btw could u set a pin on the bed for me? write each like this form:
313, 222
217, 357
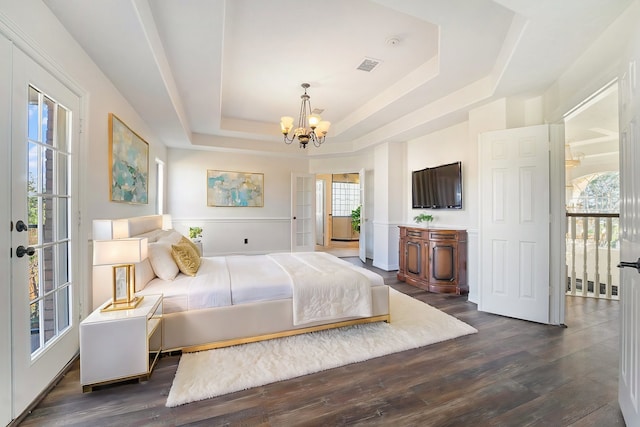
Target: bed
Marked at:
237, 299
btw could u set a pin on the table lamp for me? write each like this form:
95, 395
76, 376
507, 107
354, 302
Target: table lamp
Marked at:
121, 254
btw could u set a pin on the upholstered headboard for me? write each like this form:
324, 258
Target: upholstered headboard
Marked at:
107, 229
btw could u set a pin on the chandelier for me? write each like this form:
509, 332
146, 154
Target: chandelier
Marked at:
311, 128
571, 159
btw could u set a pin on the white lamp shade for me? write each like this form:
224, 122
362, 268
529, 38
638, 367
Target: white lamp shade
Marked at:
167, 224
286, 123
119, 251
314, 119
323, 127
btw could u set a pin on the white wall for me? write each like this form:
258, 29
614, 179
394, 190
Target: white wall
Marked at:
390, 169
446, 146
267, 229
342, 164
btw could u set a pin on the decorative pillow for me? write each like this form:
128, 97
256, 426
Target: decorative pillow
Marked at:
162, 261
186, 257
144, 274
195, 247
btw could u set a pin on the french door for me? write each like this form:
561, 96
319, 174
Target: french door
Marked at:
303, 211
44, 301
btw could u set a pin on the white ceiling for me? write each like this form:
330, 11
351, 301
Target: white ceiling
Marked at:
216, 73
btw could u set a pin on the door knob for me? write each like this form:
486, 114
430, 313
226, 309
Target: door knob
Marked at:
22, 251
635, 265
21, 226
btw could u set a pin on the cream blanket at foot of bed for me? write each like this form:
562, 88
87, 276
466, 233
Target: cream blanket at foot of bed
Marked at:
324, 289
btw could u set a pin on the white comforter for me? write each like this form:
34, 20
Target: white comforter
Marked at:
322, 286
324, 289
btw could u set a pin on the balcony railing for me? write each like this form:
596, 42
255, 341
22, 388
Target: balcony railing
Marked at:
593, 252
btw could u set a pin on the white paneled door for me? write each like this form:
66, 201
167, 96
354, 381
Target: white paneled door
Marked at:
629, 374
303, 212
514, 223
44, 300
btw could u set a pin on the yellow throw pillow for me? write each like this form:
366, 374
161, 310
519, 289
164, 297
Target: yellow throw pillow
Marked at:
190, 243
186, 257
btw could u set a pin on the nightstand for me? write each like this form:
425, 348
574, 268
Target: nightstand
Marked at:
120, 345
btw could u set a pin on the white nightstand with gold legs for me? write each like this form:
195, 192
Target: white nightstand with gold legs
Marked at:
120, 345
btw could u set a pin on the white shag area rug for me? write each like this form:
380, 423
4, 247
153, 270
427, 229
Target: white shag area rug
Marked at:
211, 373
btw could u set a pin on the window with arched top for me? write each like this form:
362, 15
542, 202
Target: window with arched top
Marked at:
596, 193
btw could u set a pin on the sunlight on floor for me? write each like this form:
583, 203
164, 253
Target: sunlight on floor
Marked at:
341, 249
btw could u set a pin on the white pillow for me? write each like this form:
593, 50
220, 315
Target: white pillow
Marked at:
162, 260
172, 237
144, 274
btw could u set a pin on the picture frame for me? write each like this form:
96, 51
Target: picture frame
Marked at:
128, 164
235, 189
121, 279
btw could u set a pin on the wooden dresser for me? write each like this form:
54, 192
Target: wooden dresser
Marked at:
434, 259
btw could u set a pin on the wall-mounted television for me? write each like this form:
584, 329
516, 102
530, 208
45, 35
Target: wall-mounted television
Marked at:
439, 187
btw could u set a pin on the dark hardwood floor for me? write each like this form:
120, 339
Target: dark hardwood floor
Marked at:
512, 373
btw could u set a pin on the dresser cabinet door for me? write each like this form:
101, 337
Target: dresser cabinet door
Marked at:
443, 262
413, 258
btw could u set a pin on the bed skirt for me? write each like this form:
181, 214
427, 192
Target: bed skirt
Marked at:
225, 326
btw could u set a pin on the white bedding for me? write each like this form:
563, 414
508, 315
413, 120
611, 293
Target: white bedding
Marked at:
211, 287
239, 279
324, 289
257, 278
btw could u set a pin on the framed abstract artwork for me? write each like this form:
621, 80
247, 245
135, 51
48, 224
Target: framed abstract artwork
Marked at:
226, 188
128, 164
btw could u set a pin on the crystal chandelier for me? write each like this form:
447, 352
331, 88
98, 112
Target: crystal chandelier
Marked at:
310, 128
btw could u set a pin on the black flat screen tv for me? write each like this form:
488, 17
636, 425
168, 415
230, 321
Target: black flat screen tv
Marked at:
439, 187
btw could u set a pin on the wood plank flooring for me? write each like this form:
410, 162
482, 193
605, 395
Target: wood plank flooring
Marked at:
512, 373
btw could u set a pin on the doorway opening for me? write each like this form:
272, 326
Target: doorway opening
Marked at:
337, 205
592, 194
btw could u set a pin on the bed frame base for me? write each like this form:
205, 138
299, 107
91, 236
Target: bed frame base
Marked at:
237, 341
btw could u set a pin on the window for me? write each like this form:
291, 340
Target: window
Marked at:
48, 202
345, 194
596, 193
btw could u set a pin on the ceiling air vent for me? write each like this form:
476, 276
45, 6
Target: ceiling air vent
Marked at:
368, 64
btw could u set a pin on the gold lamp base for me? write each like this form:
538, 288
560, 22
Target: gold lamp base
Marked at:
124, 305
